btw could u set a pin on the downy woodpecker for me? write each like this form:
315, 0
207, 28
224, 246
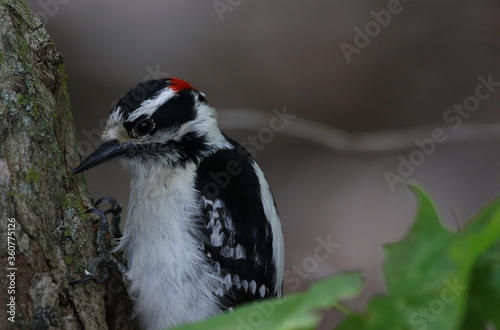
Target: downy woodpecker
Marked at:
202, 233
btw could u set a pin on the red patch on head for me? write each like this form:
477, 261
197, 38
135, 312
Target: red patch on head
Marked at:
178, 85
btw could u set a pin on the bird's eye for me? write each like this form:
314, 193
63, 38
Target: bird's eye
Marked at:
144, 127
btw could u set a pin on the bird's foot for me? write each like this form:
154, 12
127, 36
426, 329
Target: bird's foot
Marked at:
115, 210
104, 260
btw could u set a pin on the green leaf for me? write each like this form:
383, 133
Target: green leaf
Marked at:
431, 273
484, 298
295, 311
436, 279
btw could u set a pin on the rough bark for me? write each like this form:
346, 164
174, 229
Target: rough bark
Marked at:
54, 240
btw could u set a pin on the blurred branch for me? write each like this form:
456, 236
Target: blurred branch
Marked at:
337, 139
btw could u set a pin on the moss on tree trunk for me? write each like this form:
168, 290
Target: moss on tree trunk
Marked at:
54, 239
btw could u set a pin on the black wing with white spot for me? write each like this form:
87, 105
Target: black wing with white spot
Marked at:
238, 237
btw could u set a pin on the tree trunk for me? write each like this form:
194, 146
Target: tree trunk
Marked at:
46, 239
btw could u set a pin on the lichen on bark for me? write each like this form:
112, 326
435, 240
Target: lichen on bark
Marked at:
54, 239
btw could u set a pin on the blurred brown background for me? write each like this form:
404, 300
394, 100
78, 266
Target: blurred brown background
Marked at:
408, 69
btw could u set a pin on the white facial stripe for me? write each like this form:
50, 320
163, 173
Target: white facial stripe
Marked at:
204, 124
114, 127
115, 117
183, 130
148, 107
163, 136
115, 132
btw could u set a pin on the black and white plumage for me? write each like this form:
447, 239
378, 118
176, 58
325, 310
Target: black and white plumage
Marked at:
202, 233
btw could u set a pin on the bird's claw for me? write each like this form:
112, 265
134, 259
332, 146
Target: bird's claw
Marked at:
115, 210
104, 260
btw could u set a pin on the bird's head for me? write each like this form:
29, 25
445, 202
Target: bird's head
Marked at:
165, 120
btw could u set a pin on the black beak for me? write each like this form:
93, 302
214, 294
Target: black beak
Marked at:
105, 152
